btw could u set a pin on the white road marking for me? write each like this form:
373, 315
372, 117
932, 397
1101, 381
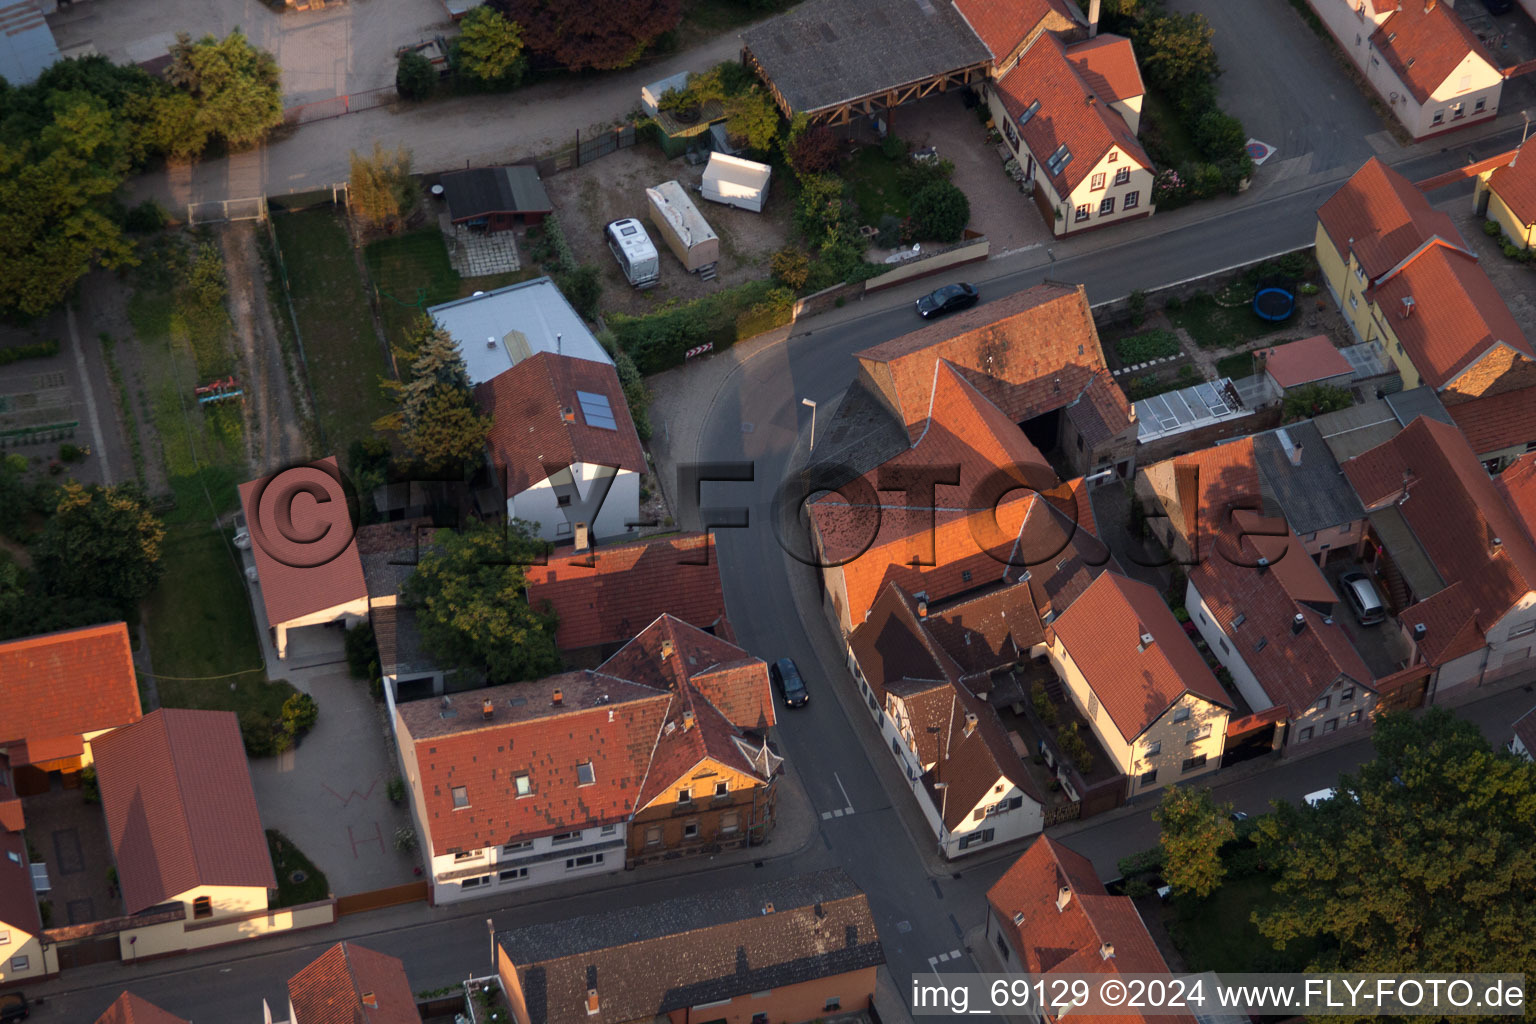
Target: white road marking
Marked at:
954, 954
837, 813
847, 803
826, 815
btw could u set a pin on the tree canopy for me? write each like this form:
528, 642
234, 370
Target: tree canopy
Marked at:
380, 188
490, 47
598, 34
438, 421
468, 593
100, 543
236, 88
1424, 862
1193, 832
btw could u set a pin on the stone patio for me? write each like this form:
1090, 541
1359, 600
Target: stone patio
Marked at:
69, 836
477, 253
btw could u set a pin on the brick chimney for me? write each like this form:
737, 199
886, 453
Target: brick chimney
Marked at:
592, 1002
1063, 897
557, 698
1298, 623
583, 537
922, 609
970, 724
488, 710
1295, 454
370, 1000
687, 720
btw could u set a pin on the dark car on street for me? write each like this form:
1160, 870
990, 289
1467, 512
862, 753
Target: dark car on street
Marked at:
13, 1006
948, 299
1498, 6
786, 679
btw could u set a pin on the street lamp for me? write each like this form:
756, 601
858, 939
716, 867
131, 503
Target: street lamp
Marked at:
943, 806
807, 401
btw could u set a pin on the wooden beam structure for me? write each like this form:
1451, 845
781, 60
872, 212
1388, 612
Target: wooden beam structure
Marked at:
844, 112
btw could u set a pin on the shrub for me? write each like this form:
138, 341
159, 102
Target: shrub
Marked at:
147, 217
405, 839
90, 788
582, 288
71, 453
396, 789
1143, 863
258, 734
299, 714
41, 350
1220, 136
558, 255
1492, 229
414, 77
636, 395
1294, 264
1136, 303
1042, 702
790, 266
1173, 304
893, 147
1180, 613
1308, 288
940, 211
1314, 400
1148, 345
814, 151
362, 652
659, 340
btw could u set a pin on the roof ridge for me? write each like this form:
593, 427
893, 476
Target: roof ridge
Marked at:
176, 757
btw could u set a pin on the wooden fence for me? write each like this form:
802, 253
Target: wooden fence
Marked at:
378, 899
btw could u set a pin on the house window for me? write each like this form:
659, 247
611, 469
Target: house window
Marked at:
1149, 778
1222, 643
562, 529
5, 936
1002, 947
1199, 733
476, 882
685, 796
1097, 183
1082, 213
1123, 176
1480, 106
19, 963
1458, 110
1525, 630
514, 847
1347, 694
202, 907
1154, 748
1181, 714
1015, 802
834, 1003
722, 788
1439, 114
1354, 716
978, 814
1304, 735
562, 500
524, 785
1322, 704
1114, 155
584, 861
1191, 763
653, 836
460, 797
608, 830
691, 830
1132, 200
1354, 302
465, 855
1331, 725
730, 822
977, 838
584, 774
513, 874
565, 837
1107, 205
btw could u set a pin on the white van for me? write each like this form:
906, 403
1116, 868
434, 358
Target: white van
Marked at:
633, 249
1321, 796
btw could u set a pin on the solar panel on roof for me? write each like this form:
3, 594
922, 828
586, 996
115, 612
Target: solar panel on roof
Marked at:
596, 410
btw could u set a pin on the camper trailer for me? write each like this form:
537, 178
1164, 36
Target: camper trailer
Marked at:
633, 249
685, 230
736, 182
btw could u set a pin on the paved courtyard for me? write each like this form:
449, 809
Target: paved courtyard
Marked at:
477, 253
343, 48
68, 836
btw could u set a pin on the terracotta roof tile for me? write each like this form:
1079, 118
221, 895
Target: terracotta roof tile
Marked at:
94, 666
1515, 183
970, 766
1002, 25
1525, 729
1518, 486
1425, 43
1302, 362
1457, 313
1385, 216
1071, 114
694, 732
131, 1009
1069, 938
1107, 63
1029, 353
1495, 422
607, 595
180, 808
299, 579
18, 900
1455, 512
989, 631
930, 707
532, 435
729, 677
1136, 683
350, 984
889, 648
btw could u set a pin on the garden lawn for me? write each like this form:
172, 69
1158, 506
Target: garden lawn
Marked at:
875, 182
1213, 326
1167, 137
1217, 934
287, 859
1154, 344
411, 272
342, 351
1237, 365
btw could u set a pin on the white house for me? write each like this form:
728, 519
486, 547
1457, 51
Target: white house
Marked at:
497, 330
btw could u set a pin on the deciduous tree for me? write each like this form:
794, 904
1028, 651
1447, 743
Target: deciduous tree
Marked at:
1424, 862
237, 87
1193, 832
598, 34
940, 211
490, 47
1177, 56
468, 592
101, 542
380, 188
415, 76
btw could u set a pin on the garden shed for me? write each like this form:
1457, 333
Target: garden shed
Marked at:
496, 198
736, 182
688, 234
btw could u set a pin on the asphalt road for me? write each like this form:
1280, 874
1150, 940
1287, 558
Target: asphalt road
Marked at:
757, 416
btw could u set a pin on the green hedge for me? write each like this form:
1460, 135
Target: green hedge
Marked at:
42, 350
658, 341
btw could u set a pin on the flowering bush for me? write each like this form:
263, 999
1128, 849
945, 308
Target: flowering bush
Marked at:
1167, 185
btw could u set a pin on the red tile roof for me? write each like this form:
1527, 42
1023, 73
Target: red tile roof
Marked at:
179, 805
1071, 114
1515, 183
350, 984
1070, 938
18, 900
1495, 422
1518, 486
615, 723
1457, 313
607, 595
92, 666
1525, 729
1302, 362
730, 678
1385, 216
970, 766
1107, 63
131, 1009
989, 631
1002, 25
298, 576
1136, 683
533, 435
1029, 353
1425, 44
1455, 511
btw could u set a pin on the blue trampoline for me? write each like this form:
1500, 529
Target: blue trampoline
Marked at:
1274, 300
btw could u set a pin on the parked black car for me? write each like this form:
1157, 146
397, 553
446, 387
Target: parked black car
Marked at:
13, 1006
786, 677
947, 299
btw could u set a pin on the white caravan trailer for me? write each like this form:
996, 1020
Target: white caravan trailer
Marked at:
684, 229
736, 182
633, 249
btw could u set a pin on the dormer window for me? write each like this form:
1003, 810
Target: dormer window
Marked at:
585, 776
460, 797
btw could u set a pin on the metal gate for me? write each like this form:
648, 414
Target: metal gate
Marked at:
217, 210
84, 952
